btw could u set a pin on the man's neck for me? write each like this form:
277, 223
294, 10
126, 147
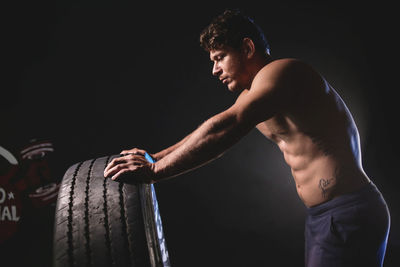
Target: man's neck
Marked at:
258, 63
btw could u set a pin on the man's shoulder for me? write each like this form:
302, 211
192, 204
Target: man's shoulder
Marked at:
286, 64
288, 71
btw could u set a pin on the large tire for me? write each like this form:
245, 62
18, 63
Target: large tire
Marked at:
100, 222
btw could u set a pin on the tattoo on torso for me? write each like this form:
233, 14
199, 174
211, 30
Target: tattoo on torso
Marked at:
324, 184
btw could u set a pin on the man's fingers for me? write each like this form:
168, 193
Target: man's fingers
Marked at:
136, 165
113, 163
117, 161
129, 162
112, 169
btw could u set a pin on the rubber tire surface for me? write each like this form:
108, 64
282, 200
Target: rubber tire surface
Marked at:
98, 222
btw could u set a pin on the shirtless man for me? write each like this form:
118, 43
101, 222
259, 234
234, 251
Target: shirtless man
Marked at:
292, 105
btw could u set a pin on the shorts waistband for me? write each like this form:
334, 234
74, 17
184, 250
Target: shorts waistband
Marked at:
363, 194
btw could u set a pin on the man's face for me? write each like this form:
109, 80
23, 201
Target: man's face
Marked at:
229, 67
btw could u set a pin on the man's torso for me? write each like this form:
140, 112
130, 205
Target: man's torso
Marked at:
319, 140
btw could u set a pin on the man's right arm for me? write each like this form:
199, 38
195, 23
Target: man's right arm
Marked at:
159, 155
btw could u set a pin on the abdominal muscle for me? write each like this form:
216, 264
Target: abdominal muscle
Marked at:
319, 176
314, 172
317, 180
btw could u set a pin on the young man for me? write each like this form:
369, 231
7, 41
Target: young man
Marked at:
292, 105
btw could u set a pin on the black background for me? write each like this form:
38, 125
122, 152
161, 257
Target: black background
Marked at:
99, 77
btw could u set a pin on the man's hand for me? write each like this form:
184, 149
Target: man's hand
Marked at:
131, 167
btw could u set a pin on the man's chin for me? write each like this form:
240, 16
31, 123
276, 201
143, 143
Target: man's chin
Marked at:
234, 88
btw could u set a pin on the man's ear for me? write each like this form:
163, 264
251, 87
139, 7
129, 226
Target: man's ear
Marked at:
248, 47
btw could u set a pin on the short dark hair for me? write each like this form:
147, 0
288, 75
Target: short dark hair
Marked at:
229, 29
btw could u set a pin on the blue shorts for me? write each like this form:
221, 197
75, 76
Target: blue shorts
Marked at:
350, 230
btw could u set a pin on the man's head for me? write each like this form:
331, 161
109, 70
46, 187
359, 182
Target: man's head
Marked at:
229, 29
233, 40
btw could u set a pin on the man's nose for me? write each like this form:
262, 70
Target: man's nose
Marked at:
216, 69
